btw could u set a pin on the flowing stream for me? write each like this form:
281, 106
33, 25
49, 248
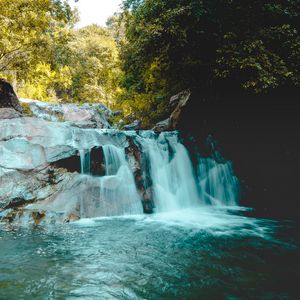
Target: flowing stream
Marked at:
169, 178
188, 254
198, 244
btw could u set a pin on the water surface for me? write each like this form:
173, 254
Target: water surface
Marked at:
189, 254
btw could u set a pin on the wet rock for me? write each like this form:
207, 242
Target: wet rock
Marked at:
164, 125
82, 116
71, 164
19, 188
176, 105
72, 218
8, 98
97, 166
135, 125
15, 203
38, 216
39, 166
134, 160
9, 113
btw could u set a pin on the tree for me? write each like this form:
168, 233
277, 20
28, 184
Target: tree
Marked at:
179, 44
28, 28
93, 59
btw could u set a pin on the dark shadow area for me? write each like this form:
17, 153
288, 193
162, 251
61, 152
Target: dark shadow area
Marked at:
97, 167
94, 160
72, 163
260, 135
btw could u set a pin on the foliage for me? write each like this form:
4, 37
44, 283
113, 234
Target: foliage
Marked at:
28, 28
47, 59
252, 45
149, 51
43, 82
93, 57
26, 109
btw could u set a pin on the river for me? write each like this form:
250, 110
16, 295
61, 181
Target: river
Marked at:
204, 253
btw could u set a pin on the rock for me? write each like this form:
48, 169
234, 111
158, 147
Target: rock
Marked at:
135, 125
97, 164
72, 218
134, 160
38, 216
9, 113
82, 116
19, 188
176, 104
164, 125
116, 113
8, 98
39, 166
72, 163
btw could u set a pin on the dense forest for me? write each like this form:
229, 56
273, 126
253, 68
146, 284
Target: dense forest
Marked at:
149, 51
47, 59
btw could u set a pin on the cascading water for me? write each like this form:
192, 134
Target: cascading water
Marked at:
171, 172
145, 170
218, 185
117, 187
85, 161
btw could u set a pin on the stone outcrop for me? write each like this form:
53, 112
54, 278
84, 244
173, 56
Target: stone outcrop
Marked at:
134, 159
8, 98
82, 116
40, 166
135, 125
176, 105
9, 113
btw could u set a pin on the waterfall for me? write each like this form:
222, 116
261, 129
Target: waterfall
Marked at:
117, 187
171, 172
218, 185
115, 193
85, 161
160, 171
114, 158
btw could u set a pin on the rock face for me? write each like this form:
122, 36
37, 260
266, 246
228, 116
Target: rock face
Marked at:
176, 104
82, 116
135, 125
8, 98
9, 113
134, 158
40, 158
40, 165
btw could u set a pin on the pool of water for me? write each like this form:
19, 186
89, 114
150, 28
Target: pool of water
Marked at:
191, 254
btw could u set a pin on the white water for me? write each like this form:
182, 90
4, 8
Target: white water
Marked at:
169, 179
174, 186
117, 187
218, 185
85, 161
172, 180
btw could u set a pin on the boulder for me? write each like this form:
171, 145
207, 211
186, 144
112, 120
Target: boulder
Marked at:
9, 113
82, 116
176, 105
39, 170
164, 125
133, 154
19, 188
8, 98
135, 125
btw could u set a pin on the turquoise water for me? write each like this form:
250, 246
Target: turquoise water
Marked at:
199, 254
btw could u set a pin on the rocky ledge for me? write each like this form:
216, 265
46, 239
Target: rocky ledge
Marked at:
41, 159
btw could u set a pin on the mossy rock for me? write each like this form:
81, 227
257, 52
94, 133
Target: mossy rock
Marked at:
27, 110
